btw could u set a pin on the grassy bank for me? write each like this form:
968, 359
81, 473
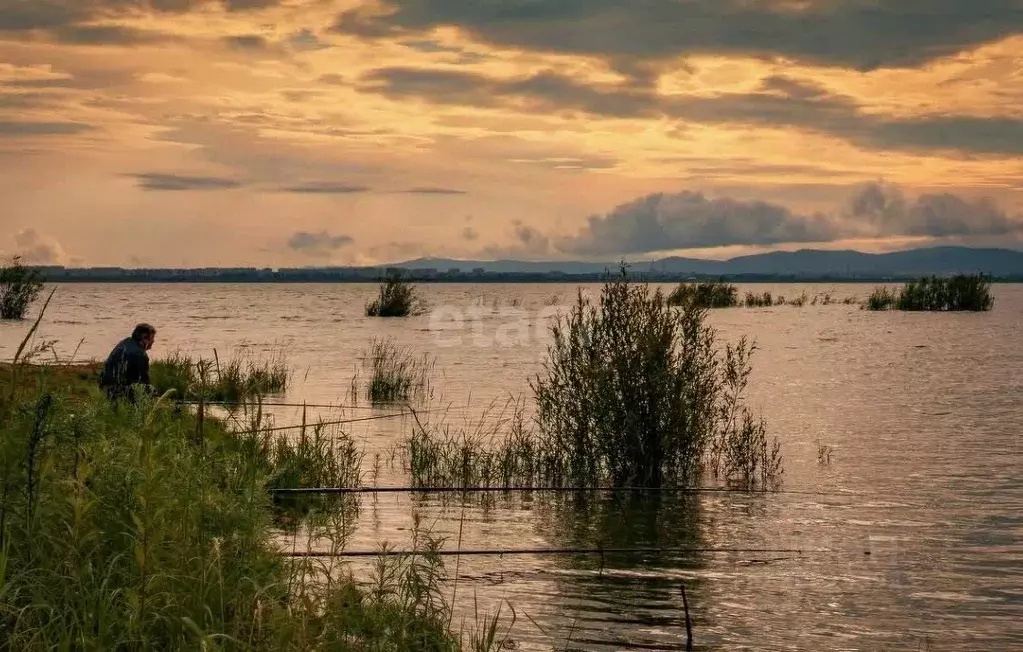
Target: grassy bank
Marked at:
150, 526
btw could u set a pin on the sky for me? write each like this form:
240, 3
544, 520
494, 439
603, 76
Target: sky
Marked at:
190, 133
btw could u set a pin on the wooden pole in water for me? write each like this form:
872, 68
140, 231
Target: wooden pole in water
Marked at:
689, 625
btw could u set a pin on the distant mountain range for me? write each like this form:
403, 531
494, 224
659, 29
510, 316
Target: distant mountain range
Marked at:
803, 263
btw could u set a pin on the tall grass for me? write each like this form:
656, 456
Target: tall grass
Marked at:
959, 293
881, 298
705, 295
398, 297
238, 379
20, 286
633, 393
397, 374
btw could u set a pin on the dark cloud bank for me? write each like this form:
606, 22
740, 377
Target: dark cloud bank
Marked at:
860, 34
779, 102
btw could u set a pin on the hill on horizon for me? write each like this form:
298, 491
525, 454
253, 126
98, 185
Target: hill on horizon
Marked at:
804, 262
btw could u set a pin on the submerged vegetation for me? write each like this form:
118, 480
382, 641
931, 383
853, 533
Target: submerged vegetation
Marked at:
962, 292
704, 295
634, 393
397, 374
398, 298
242, 378
20, 286
764, 300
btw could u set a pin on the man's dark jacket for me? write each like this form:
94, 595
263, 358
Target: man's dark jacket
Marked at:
127, 365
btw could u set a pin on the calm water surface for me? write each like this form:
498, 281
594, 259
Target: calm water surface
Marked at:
923, 413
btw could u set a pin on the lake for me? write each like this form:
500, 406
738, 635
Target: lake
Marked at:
911, 538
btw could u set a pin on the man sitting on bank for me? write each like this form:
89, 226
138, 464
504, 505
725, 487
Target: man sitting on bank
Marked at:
128, 364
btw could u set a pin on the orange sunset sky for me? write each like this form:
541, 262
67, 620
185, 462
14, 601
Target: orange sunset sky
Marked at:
320, 132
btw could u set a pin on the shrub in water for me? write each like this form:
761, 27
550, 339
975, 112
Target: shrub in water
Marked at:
19, 287
705, 295
962, 292
635, 392
398, 298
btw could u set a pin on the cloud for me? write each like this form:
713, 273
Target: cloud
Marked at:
109, 35
246, 41
690, 220
175, 182
18, 128
317, 244
942, 215
325, 188
470, 234
433, 190
860, 34
305, 40
780, 102
37, 248
63, 15
529, 243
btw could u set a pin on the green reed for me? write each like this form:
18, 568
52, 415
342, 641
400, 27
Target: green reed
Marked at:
705, 295
959, 293
397, 374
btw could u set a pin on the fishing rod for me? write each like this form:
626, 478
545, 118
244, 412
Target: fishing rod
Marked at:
500, 552
328, 406
541, 489
319, 424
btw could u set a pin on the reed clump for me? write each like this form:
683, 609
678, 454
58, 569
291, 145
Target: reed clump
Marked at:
705, 295
398, 298
959, 293
764, 300
20, 286
397, 374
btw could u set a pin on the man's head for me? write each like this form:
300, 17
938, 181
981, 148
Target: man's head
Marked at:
145, 335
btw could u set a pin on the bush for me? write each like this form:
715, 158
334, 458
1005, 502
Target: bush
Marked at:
638, 393
705, 295
634, 393
398, 298
19, 287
